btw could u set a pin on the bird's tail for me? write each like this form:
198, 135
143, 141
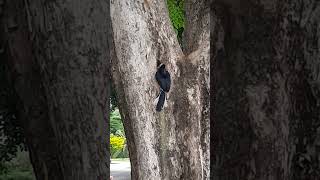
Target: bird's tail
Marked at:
162, 99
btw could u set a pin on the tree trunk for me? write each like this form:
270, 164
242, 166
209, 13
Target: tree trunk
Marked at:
266, 90
197, 45
171, 144
59, 59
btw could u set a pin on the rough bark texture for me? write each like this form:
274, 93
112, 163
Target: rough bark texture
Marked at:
266, 86
165, 145
59, 57
196, 38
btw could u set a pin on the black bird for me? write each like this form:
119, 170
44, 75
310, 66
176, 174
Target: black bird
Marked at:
164, 80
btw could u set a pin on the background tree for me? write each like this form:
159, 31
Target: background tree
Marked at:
172, 144
58, 59
265, 107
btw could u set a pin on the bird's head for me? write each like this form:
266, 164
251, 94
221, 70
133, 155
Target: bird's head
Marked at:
160, 65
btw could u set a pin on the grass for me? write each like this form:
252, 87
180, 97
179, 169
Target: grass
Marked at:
18, 174
120, 159
18, 169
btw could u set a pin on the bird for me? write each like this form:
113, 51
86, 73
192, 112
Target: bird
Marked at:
164, 81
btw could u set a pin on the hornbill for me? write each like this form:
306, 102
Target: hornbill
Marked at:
164, 80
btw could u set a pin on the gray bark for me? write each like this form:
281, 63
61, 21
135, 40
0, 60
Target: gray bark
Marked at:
197, 43
59, 58
265, 83
165, 145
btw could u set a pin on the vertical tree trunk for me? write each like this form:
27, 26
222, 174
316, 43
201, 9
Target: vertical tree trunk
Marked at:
59, 57
196, 38
266, 90
165, 145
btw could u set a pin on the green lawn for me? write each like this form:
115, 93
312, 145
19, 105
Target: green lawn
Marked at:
120, 159
18, 168
18, 174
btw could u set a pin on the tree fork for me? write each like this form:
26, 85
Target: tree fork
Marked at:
143, 34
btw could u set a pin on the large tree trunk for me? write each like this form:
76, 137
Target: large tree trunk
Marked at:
266, 90
165, 145
59, 58
196, 42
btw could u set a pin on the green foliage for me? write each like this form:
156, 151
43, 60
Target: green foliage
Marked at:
113, 98
19, 168
117, 136
11, 134
3, 168
176, 14
118, 147
116, 126
17, 174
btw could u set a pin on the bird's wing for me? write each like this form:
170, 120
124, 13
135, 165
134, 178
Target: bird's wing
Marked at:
168, 82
